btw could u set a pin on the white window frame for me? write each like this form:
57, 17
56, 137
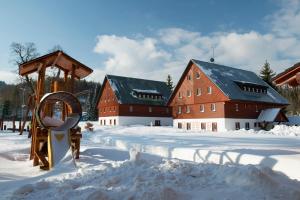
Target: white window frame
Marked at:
213, 107
179, 110
236, 107
188, 110
198, 92
202, 108
189, 93
179, 95
150, 109
209, 90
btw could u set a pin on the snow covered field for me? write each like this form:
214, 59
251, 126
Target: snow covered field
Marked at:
107, 171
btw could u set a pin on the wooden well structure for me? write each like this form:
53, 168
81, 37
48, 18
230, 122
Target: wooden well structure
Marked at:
72, 69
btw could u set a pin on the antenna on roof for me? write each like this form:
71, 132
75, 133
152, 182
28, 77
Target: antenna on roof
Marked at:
212, 59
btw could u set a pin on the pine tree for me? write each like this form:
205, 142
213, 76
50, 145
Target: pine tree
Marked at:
267, 74
6, 110
92, 110
170, 82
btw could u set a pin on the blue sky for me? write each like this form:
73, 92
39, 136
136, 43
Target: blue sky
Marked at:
150, 39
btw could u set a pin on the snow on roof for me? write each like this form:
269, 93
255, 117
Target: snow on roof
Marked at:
268, 115
225, 77
123, 87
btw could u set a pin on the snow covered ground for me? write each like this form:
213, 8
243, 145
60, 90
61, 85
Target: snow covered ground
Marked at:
107, 171
278, 149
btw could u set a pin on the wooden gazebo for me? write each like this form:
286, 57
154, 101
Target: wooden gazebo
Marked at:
72, 69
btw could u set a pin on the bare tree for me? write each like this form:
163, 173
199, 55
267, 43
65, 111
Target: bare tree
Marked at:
23, 53
56, 48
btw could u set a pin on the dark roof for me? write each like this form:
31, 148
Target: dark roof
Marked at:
226, 78
124, 88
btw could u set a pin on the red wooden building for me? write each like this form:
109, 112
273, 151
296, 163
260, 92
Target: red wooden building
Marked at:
290, 77
214, 97
131, 101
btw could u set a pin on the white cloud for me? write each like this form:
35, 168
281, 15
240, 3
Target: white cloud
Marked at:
170, 49
286, 22
8, 76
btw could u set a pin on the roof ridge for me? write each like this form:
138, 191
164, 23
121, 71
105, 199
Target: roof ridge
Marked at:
134, 78
224, 66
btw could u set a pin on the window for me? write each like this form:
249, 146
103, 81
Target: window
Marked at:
188, 109
197, 75
209, 90
237, 126
188, 126
256, 108
189, 77
202, 108
213, 107
203, 126
104, 122
179, 125
198, 91
115, 122
214, 127
101, 122
247, 125
110, 122
255, 124
179, 109
179, 95
130, 108
188, 93
236, 107
150, 109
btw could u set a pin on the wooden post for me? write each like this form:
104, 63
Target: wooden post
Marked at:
39, 93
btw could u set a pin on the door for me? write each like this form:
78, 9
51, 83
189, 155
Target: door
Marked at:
157, 123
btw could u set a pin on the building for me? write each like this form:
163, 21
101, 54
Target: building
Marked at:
290, 77
214, 97
132, 101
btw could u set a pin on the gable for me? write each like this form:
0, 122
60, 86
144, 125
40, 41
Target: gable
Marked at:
190, 81
229, 79
107, 96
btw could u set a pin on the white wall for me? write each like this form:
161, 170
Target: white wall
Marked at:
134, 120
223, 124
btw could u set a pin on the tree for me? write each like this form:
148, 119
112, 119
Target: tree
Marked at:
170, 82
267, 74
23, 53
6, 109
94, 95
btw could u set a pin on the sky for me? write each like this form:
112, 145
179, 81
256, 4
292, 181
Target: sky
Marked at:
154, 38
